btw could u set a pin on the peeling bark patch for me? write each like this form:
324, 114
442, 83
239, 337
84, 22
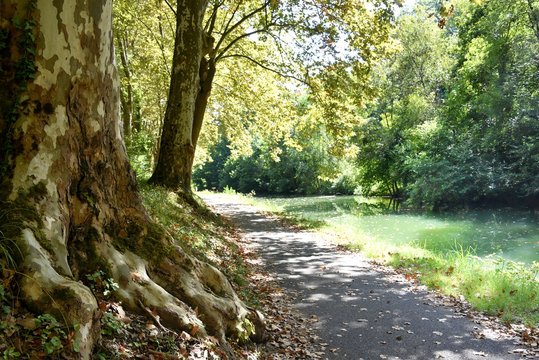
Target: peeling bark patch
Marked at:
96, 11
59, 127
63, 41
48, 64
39, 166
101, 108
59, 4
54, 41
105, 19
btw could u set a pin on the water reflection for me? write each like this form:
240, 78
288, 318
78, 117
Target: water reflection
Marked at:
508, 233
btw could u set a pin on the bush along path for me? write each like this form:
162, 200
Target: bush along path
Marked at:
362, 310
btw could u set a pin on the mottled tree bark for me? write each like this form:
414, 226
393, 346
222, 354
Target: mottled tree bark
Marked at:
181, 128
196, 53
207, 73
67, 187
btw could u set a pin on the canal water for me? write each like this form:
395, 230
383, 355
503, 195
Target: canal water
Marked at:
511, 234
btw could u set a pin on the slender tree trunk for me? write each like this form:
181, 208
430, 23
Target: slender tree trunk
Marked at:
207, 73
177, 150
127, 98
67, 194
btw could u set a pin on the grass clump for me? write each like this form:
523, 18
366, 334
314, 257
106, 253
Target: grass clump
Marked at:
496, 287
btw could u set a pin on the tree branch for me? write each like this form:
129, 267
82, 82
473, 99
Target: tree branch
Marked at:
225, 27
165, 60
171, 7
227, 31
211, 21
159, 43
284, 75
231, 44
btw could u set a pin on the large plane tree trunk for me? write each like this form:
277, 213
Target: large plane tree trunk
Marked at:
67, 194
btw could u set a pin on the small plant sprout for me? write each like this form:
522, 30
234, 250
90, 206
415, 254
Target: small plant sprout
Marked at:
101, 284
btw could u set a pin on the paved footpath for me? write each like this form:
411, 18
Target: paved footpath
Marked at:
364, 311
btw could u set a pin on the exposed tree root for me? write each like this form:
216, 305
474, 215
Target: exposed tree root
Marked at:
47, 291
205, 288
136, 287
180, 292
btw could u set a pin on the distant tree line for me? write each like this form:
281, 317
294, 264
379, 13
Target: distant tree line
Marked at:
451, 118
294, 172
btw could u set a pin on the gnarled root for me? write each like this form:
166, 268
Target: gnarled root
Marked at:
182, 292
47, 291
138, 290
205, 288
176, 285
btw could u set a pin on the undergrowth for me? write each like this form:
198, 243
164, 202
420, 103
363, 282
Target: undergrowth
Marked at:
24, 335
201, 233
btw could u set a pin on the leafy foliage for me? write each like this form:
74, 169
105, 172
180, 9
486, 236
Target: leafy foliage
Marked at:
487, 131
441, 115
24, 336
303, 167
101, 285
454, 120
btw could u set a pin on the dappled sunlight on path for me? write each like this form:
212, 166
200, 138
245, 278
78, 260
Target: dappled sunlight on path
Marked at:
364, 311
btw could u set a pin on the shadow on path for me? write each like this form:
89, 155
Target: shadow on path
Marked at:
363, 312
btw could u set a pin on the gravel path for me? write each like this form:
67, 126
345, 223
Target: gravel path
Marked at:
364, 311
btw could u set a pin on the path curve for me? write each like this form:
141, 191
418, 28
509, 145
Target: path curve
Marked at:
364, 312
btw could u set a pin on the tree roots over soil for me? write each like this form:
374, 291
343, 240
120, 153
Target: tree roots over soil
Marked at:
184, 293
154, 277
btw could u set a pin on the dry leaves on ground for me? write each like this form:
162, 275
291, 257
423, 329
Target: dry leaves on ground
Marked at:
290, 334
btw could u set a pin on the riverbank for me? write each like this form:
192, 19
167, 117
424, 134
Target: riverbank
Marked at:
496, 286
364, 310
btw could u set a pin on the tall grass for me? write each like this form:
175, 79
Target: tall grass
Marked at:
496, 287
11, 224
